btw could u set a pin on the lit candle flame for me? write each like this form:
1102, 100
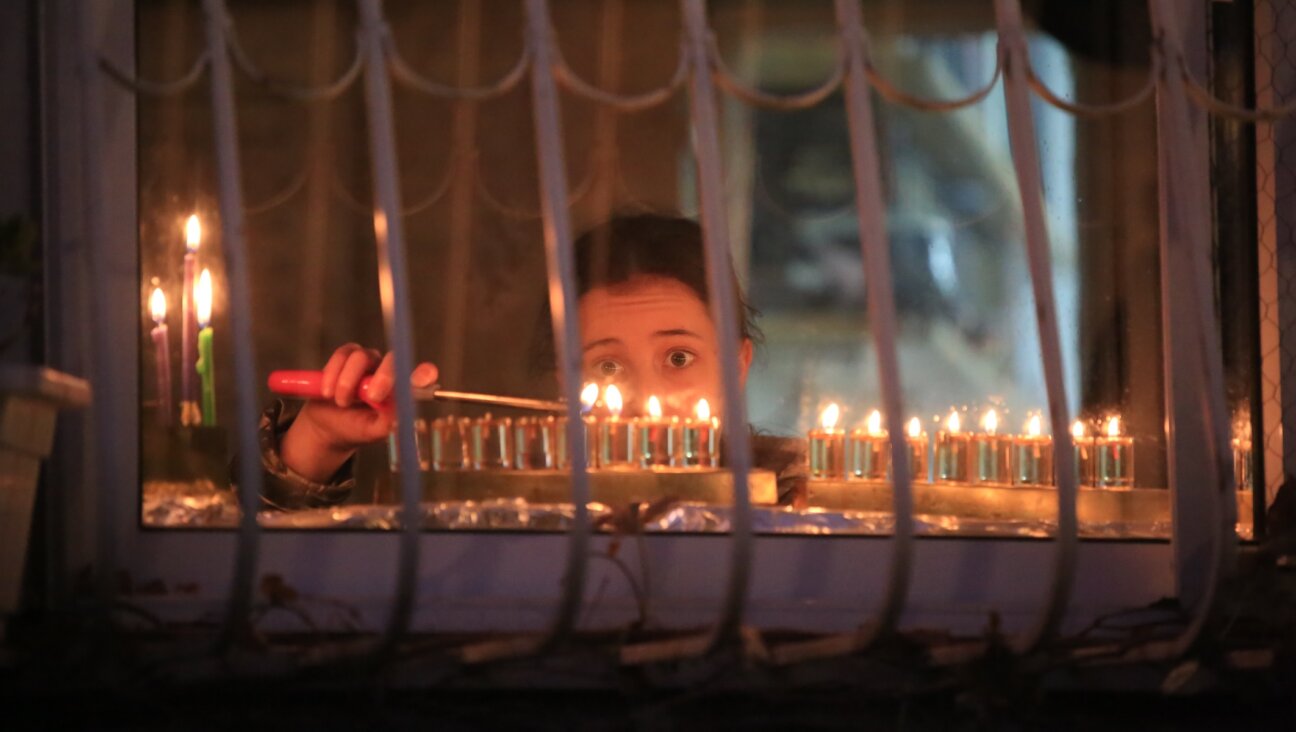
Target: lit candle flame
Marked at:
703, 410
915, 427
654, 407
828, 418
952, 424
193, 233
612, 397
1078, 430
157, 306
1033, 426
874, 423
990, 422
1114, 426
588, 396
203, 298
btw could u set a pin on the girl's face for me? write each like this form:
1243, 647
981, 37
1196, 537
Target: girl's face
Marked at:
653, 336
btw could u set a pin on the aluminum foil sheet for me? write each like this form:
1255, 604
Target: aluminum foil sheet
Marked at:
188, 503
201, 504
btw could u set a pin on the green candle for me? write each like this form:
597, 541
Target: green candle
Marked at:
205, 366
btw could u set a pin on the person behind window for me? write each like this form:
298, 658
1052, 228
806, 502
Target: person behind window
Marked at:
645, 325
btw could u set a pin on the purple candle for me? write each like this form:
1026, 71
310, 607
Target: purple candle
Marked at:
162, 353
190, 414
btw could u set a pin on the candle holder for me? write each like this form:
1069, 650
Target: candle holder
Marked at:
422, 446
991, 453
1243, 477
1032, 460
992, 459
1114, 457
917, 441
950, 458
535, 443
615, 443
827, 446
1242, 470
591, 433
1083, 444
562, 456
1032, 456
868, 455
449, 446
489, 446
699, 443
657, 441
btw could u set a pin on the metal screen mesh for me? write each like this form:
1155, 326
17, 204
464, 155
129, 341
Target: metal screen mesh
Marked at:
1275, 76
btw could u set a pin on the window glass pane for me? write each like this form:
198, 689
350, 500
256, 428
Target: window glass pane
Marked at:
478, 284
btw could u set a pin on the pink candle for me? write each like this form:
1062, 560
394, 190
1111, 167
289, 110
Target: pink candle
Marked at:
162, 353
189, 411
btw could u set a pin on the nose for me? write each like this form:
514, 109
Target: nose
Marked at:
643, 386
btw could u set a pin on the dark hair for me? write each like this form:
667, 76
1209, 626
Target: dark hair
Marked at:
641, 245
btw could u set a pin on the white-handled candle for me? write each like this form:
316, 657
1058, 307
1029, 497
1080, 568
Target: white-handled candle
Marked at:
190, 414
162, 355
205, 366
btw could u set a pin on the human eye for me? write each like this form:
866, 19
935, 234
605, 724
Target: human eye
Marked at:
607, 367
679, 358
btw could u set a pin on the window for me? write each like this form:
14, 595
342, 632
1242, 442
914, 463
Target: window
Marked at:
468, 177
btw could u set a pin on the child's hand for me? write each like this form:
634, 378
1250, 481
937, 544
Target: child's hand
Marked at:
328, 431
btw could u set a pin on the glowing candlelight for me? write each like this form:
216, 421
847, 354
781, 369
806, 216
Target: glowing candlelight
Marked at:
1032, 458
205, 366
189, 412
991, 452
827, 445
588, 397
1242, 470
656, 437
1084, 453
162, 355
700, 439
868, 456
615, 439
917, 440
951, 454
1114, 456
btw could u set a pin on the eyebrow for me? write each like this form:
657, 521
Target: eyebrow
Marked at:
676, 332
601, 342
